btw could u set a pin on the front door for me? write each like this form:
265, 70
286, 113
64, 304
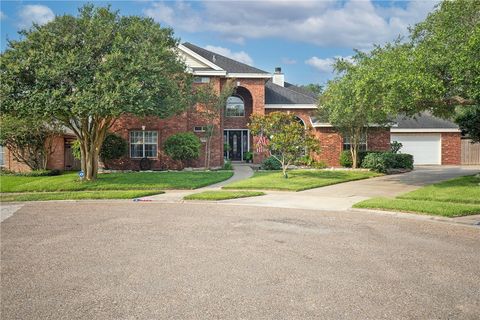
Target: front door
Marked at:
235, 145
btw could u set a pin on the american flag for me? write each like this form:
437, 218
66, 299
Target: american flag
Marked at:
261, 143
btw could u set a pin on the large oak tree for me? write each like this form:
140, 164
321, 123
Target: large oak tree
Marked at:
87, 71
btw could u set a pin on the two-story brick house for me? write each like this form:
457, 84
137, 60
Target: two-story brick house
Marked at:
431, 140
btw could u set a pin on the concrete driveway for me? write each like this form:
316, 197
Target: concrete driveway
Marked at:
342, 196
125, 260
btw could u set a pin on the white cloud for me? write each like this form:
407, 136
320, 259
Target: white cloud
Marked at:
35, 14
325, 65
350, 23
2, 15
240, 56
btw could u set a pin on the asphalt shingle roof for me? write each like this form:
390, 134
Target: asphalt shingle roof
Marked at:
289, 94
424, 121
227, 64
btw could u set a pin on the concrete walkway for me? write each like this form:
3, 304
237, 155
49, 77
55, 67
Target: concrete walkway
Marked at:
241, 171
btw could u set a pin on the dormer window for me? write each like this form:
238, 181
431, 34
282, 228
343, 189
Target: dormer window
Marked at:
235, 107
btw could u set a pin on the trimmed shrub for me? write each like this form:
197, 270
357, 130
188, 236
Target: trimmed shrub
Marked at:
384, 161
227, 165
182, 146
318, 165
346, 159
113, 147
271, 164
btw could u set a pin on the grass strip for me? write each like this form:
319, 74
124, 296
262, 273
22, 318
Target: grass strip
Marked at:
77, 195
222, 195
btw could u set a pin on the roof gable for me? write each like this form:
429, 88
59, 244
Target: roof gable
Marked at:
424, 120
227, 64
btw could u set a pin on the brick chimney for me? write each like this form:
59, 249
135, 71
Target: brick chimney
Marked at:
278, 77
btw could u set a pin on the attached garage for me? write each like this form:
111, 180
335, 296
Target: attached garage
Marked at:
425, 148
431, 140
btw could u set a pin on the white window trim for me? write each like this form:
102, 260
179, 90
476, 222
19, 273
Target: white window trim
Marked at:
143, 143
235, 116
203, 129
2, 151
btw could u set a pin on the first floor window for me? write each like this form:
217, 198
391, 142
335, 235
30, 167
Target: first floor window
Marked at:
2, 153
362, 146
201, 80
143, 144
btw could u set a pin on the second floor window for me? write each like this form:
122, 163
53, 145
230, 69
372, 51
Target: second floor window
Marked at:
235, 107
143, 144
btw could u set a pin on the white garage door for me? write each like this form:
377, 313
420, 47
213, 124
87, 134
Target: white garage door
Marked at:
425, 148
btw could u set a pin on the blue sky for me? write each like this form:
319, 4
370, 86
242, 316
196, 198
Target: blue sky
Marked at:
302, 37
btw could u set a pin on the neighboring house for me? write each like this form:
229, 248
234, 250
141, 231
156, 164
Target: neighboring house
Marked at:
430, 140
61, 158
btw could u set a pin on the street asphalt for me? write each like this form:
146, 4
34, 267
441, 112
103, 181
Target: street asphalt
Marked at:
126, 260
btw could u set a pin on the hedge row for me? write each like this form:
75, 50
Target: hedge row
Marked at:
384, 161
379, 161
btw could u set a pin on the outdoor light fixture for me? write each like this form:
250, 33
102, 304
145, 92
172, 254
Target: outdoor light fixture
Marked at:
143, 128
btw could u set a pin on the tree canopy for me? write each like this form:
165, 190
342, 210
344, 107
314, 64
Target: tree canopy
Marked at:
436, 69
88, 70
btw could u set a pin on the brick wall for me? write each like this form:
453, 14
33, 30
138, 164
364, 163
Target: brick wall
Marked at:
57, 159
378, 139
331, 144
451, 148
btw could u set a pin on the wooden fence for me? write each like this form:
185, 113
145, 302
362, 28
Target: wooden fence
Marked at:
470, 152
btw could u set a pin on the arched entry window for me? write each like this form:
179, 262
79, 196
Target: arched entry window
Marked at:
299, 120
235, 107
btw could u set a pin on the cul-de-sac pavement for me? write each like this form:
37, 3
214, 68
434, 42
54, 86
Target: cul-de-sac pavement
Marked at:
176, 260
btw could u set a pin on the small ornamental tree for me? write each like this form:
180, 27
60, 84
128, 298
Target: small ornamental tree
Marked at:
184, 146
87, 71
29, 140
211, 105
287, 139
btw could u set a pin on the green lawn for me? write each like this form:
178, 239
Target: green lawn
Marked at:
114, 181
299, 179
222, 195
77, 195
451, 198
463, 189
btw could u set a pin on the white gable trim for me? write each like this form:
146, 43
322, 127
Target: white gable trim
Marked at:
209, 72
424, 130
249, 75
199, 57
290, 106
